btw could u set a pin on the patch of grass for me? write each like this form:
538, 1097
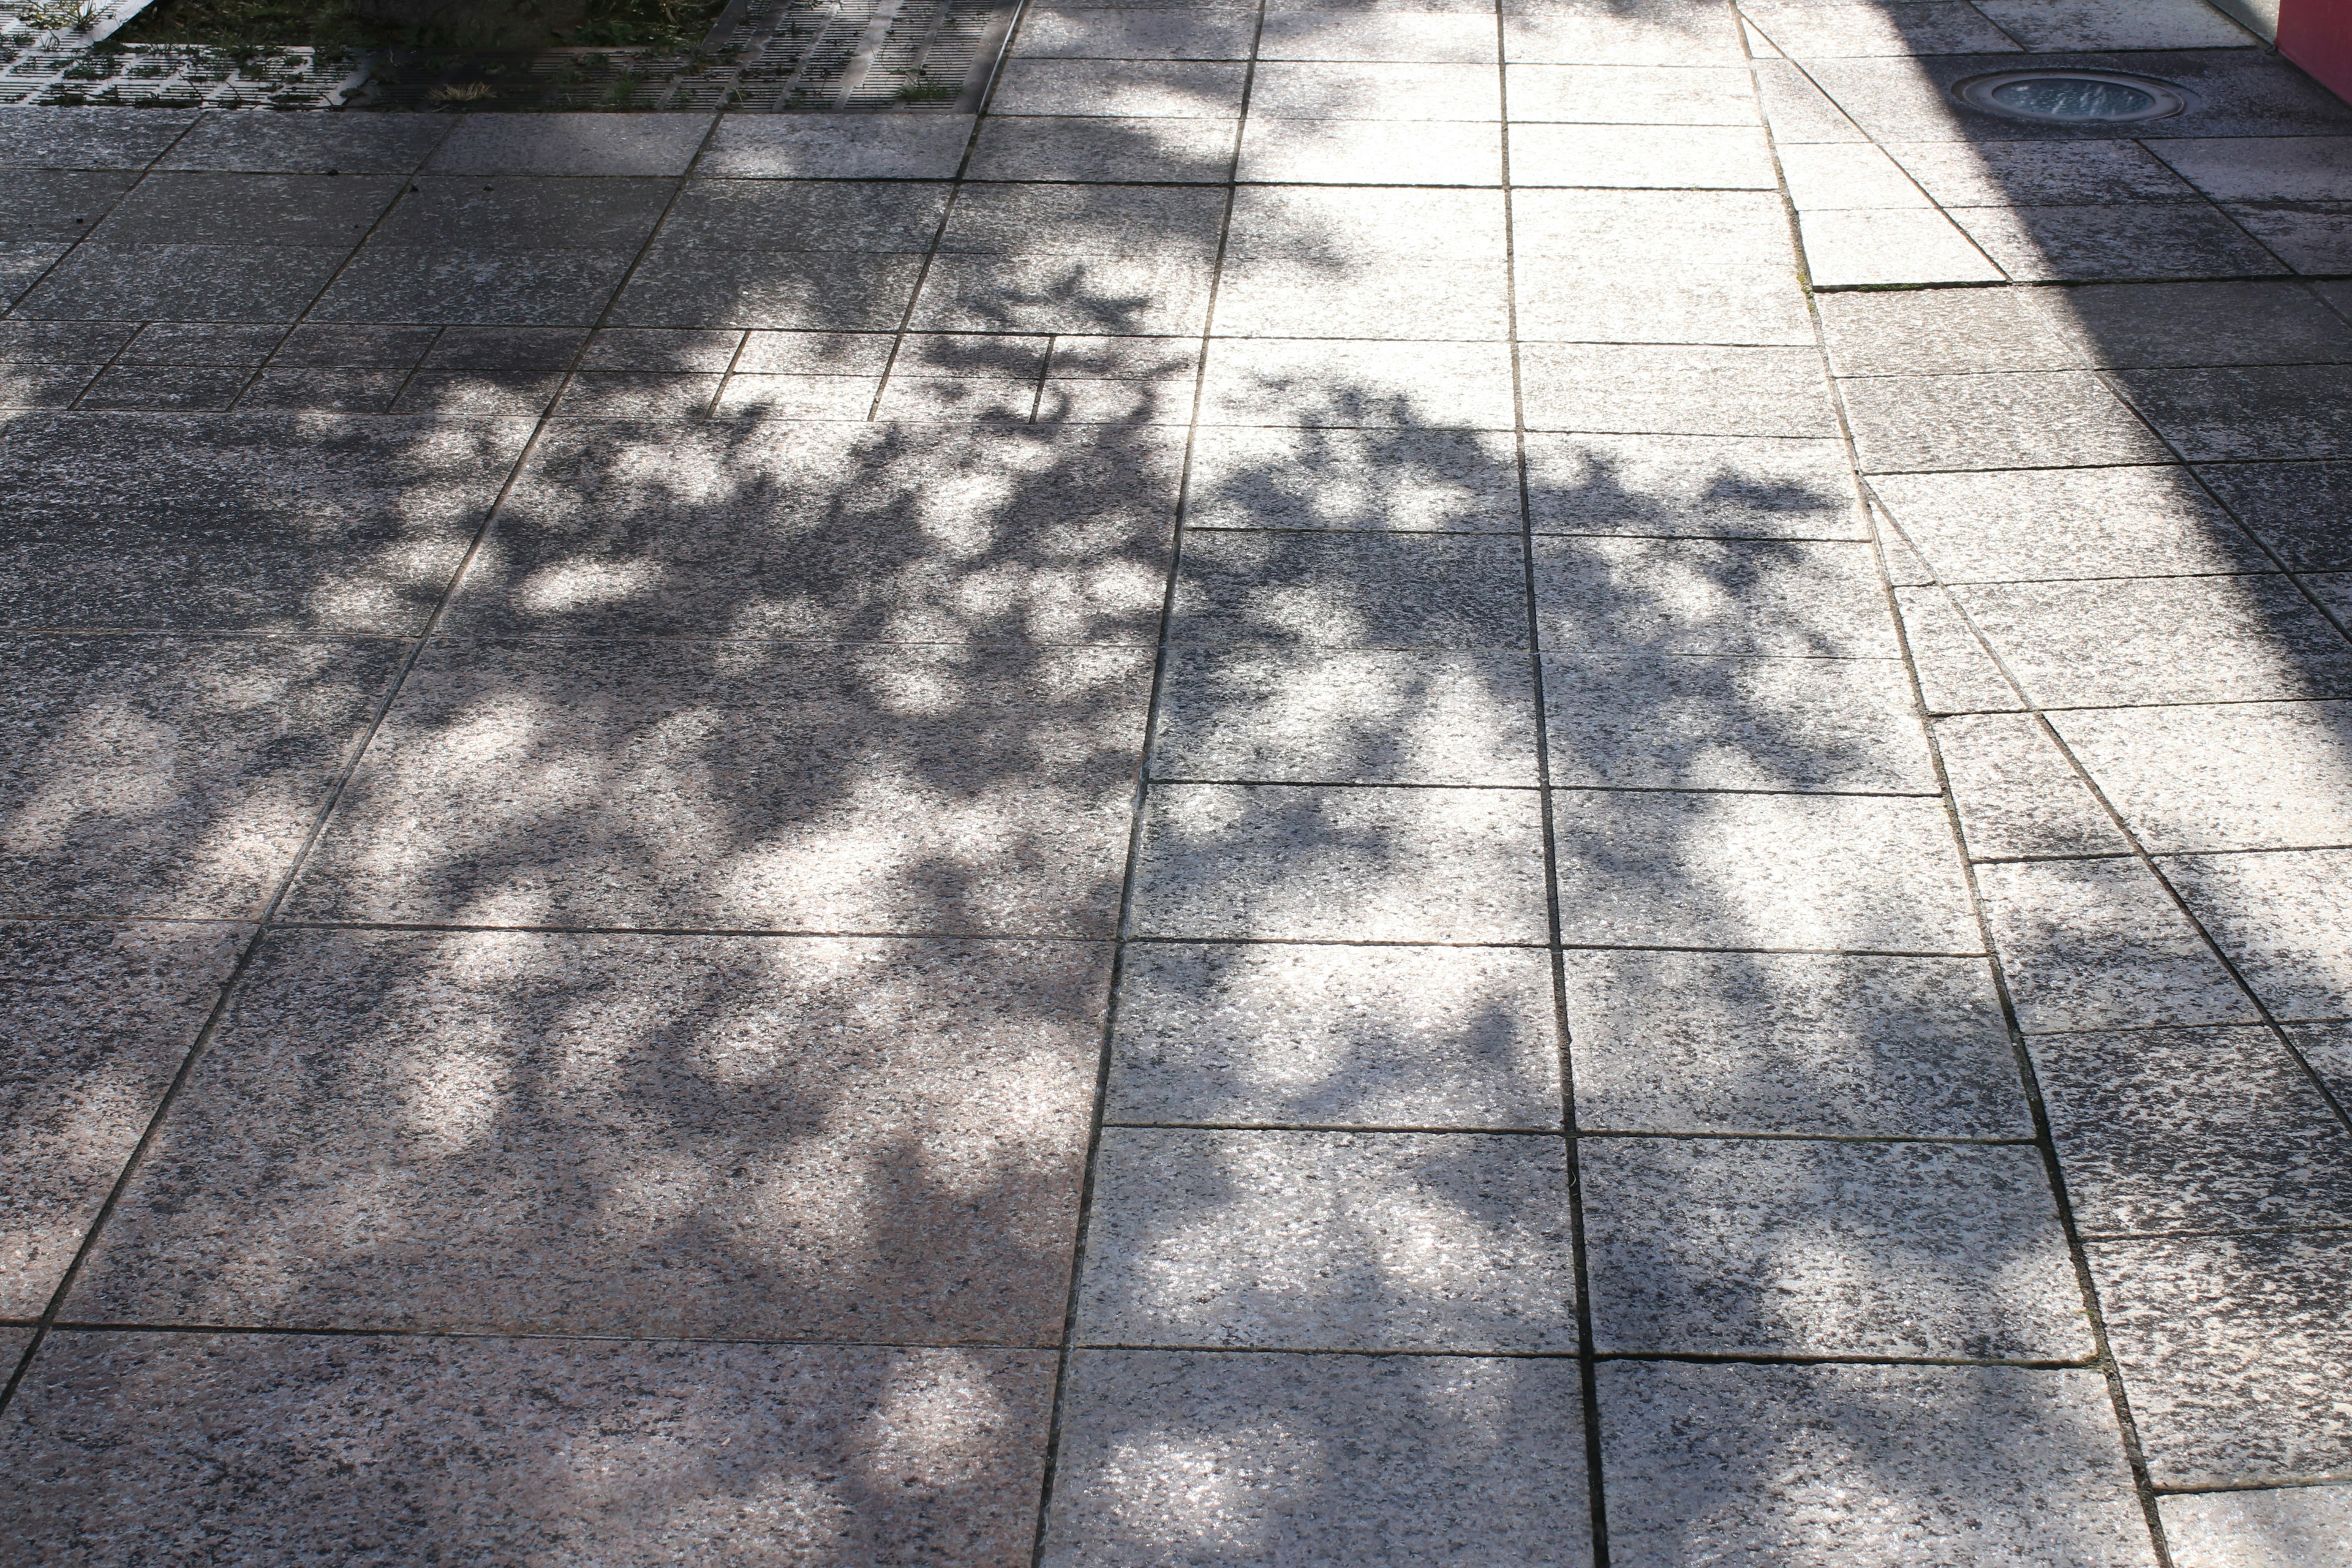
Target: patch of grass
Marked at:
330, 24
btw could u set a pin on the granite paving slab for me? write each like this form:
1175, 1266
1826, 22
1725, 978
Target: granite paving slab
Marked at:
1746, 1465
744, 785
2100, 944
2262, 1529
1368, 1241
2242, 775
2234, 1353
173, 776
97, 1019
644, 1136
1453, 1460
1335, 1036
2283, 920
284, 1447
2016, 793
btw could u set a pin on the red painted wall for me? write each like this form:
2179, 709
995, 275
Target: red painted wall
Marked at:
2317, 36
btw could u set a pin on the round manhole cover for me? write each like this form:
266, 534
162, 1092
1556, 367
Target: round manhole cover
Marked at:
2072, 98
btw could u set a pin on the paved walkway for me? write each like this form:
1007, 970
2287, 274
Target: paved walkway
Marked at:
1164, 830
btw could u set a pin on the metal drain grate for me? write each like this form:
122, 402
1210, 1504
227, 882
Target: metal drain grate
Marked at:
2072, 98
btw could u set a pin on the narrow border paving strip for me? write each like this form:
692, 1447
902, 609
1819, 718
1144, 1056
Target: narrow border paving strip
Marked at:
1264, 810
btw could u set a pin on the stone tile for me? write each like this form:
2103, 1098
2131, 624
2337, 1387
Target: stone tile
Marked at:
1810, 30
97, 1019
167, 342
637, 394
2056, 25
1835, 175
308, 144
1335, 1035
523, 214
1365, 151
2310, 237
1642, 389
2115, 242
2234, 1352
1092, 259
1304, 863
1275, 382
1630, 94
323, 390
1261, 715
1381, 1460
429, 283
1284, 90
866, 216
1734, 723
782, 1139
2169, 1130
2286, 919
1658, 35
1702, 486
2327, 1048
1109, 33
171, 777
1181, 90
58, 205
2098, 944
245, 524
1790, 1043
513, 395
816, 354
2263, 168
1786, 1247
1389, 1241
2240, 776
1928, 422
2296, 509
688, 285
2180, 639
2015, 792
1866, 248
1922, 332
860, 534
1366, 590
179, 389
1956, 674
834, 398
1746, 1465
84, 137
247, 209
746, 786
1421, 36
1715, 268
334, 347
272, 1448
63, 342
572, 145
1071, 147
836, 146
183, 283
2273, 412
1797, 111
1780, 598
506, 348
2039, 174
1838, 872
1302, 262
649, 350
1442, 481
2039, 524
2279, 1529
1698, 157
47, 386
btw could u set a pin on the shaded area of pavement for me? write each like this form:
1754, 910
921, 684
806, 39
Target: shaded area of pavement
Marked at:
1269, 811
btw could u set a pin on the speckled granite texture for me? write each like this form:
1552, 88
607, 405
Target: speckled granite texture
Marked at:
1483, 782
